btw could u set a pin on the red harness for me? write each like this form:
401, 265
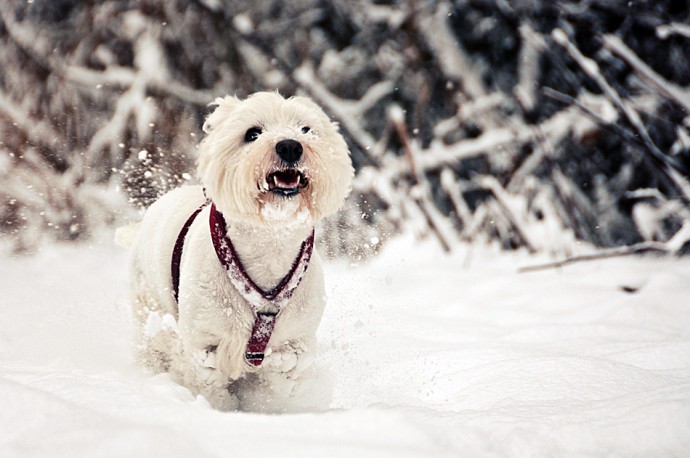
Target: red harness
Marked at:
266, 305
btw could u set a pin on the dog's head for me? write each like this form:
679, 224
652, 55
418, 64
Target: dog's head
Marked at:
267, 159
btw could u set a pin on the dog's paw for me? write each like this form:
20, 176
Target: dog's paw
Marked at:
291, 359
204, 364
281, 361
304, 362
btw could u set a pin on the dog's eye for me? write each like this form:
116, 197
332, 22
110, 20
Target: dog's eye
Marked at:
306, 129
252, 134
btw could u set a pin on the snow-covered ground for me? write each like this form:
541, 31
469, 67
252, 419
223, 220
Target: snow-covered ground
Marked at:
429, 356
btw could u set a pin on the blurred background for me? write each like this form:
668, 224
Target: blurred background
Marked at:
535, 125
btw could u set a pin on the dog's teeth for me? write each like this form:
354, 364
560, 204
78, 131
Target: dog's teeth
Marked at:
275, 180
298, 179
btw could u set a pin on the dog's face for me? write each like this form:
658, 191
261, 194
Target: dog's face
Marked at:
267, 159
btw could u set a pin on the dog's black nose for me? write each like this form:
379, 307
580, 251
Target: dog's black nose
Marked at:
289, 151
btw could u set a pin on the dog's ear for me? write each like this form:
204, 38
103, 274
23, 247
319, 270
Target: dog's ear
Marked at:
224, 105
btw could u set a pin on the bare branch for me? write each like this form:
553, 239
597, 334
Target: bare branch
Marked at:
453, 189
603, 254
666, 88
449, 53
663, 163
591, 68
516, 219
471, 109
124, 77
675, 28
533, 44
346, 111
420, 189
39, 132
556, 127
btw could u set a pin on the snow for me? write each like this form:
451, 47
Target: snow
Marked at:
243, 23
429, 355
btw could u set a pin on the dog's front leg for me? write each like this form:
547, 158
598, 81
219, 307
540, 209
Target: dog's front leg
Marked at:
291, 380
200, 359
195, 368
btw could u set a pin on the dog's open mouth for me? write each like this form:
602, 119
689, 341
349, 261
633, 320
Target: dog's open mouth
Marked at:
286, 182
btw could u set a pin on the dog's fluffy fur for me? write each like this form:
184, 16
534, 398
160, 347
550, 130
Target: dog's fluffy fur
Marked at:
201, 340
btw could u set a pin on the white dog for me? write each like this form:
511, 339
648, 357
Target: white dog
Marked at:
227, 292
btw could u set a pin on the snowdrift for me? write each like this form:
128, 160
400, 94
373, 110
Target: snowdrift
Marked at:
427, 355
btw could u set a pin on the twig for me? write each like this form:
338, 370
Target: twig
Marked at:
607, 124
591, 68
449, 53
666, 88
40, 48
479, 216
596, 117
576, 209
39, 133
439, 155
544, 149
603, 254
116, 76
427, 211
533, 44
397, 119
346, 111
675, 28
501, 196
662, 162
558, 126
471, 109
451, 186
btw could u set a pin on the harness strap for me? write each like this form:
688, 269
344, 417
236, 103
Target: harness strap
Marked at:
177, 252
265, 304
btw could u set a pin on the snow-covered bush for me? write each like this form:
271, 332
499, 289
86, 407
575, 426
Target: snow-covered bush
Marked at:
530, 123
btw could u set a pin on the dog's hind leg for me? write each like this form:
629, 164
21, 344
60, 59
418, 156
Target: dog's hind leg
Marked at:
155, 332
